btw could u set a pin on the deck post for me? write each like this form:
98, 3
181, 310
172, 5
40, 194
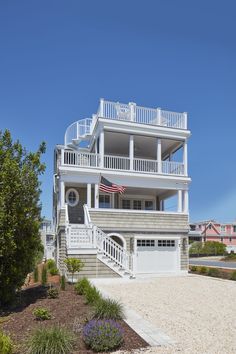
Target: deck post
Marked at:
180, 206
89, 195
101, 148
131, 152
96, 196
185, 158
159, 162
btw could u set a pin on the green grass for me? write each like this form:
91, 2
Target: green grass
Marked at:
81, 286
108, 309
54, 340
92, 295
6, 345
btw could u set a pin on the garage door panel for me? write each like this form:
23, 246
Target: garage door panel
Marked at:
155, 256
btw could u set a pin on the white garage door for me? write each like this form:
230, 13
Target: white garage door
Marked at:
154, 256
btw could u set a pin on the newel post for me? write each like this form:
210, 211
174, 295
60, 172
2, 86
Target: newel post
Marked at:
102, 107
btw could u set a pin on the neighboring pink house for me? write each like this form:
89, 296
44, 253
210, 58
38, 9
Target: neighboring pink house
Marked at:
212, 230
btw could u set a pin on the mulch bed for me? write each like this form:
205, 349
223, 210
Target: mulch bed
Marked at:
68, 310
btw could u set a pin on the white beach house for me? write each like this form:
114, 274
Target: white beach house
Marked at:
130, 233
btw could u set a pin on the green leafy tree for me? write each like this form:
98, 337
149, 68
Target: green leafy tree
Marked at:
20, 209
196, 248
74, 265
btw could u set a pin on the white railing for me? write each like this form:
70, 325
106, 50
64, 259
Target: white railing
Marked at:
91, 160
77, 130
79, 236
142, 115
147, 115
116, 163
84, 159
112, 250
142, 165
173, 119
172, 168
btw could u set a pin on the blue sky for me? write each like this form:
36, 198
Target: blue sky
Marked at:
57, 58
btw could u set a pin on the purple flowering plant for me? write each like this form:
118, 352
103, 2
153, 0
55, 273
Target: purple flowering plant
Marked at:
103, 335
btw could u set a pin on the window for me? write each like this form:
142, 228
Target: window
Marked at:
223, 228
210, 226
166, 243
221, 239
145, 243
72, 197
234, 228
137, 204
125, 204
230, 239
148, 205
104, 201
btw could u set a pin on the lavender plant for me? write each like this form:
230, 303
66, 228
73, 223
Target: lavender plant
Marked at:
103, 335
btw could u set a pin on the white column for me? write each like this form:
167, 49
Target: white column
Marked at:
89, 195
186, 201
185, 158
159, 162
62, 194
185, 124
131, 151
101, 148
180, 206
96, 196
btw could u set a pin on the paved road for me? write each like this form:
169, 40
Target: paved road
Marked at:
213, 263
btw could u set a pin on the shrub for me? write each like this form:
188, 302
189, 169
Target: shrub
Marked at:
63, 282
193, 268
233, 275
53, 293
6, 345
203, 270
81, 286
53, 271
51, 264
44, 278
36, 274
108, 309
92, 295
102, 335
73, 265
41, 314
53, 340
213, 272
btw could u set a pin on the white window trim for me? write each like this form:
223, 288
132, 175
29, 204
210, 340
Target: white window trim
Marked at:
106, 194
76, 194
143, 198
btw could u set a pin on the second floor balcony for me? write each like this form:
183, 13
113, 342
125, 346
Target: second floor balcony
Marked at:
121, 163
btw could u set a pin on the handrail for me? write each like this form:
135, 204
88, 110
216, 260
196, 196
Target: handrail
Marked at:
87, 215
112, 250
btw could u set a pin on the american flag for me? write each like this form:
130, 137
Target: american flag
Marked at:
109, 187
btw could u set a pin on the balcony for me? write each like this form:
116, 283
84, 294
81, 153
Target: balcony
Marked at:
120, 163
83, 129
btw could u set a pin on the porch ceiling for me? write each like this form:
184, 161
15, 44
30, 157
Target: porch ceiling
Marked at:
144, 147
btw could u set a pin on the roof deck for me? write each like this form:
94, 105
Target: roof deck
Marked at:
131, 113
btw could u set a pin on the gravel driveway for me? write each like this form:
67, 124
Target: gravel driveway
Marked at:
198, 313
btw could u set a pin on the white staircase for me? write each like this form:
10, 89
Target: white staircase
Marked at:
78, 131
89, 236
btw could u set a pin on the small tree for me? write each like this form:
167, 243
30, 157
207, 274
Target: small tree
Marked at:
63, 282
74, 265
